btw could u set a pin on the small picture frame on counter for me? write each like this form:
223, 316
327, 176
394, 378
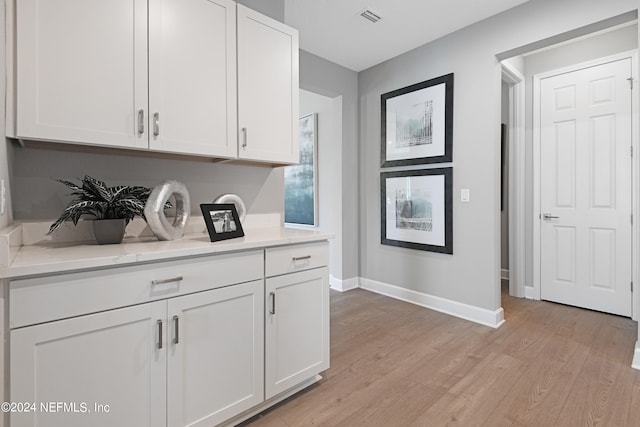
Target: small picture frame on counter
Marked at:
222, 221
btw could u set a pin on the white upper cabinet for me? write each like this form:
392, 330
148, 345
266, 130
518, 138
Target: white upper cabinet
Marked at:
156, 75
192, 77
267, 89
82, 74
81, 70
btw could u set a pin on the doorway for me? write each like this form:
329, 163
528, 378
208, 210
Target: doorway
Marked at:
523, 214
582, 123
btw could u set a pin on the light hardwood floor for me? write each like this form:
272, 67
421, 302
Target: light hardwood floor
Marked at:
397, 364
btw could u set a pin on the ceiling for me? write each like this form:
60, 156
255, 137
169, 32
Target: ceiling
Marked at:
334, 29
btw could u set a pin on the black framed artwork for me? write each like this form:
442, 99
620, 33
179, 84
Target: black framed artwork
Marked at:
222, 221
416, 209
417, 123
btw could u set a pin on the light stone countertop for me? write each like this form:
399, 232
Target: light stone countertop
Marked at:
55, 258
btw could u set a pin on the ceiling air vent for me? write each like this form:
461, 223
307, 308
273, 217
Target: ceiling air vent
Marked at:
371, 15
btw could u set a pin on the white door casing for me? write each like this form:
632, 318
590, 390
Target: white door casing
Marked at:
585, 187
517, 190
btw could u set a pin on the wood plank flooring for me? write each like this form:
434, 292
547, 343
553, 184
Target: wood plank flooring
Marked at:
397, 364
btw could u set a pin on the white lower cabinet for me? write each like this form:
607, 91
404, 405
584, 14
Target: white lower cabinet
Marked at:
193, 360
216, 359
201, 341
70, 368
297, 316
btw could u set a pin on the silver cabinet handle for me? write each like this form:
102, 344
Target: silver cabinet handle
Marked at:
140, 122
244, 137
272, 310
176, 330
163, 281
548, 217
301, 258
159, 323
156, 124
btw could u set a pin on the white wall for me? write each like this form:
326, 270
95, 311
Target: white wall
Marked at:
471, 274
329, 163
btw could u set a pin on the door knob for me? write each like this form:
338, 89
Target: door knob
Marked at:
548, 217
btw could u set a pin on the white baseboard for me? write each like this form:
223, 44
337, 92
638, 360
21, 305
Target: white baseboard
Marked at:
494, 319
528, 292
504, 274
636, 357
343, 285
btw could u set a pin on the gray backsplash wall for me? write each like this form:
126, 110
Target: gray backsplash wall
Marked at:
36, 196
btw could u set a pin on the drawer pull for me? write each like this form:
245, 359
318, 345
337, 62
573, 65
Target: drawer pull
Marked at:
244, 139
156, 124
163, 281
301, 258
272, 310
140, 122
159, 323
176, 326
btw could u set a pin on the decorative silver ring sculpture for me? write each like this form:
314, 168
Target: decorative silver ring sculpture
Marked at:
236, 200
154, 210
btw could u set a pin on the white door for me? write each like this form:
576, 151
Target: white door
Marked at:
98, 370
296, 328
585, 188
216, 354
267, 88
81, 71
192, 77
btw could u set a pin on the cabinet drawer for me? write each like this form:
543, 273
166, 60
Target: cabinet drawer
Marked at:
288, 259
45, 299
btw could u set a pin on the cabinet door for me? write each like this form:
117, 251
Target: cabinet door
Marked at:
81, 71
296, 328
100, 370
192, 77
267, 89
216, 360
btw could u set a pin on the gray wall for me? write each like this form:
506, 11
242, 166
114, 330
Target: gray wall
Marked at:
272, 8
471, 274
329, 163
326, 78
38, 197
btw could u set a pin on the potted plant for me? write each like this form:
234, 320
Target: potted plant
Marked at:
112, 207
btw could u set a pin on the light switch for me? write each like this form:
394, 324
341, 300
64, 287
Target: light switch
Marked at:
465, 196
